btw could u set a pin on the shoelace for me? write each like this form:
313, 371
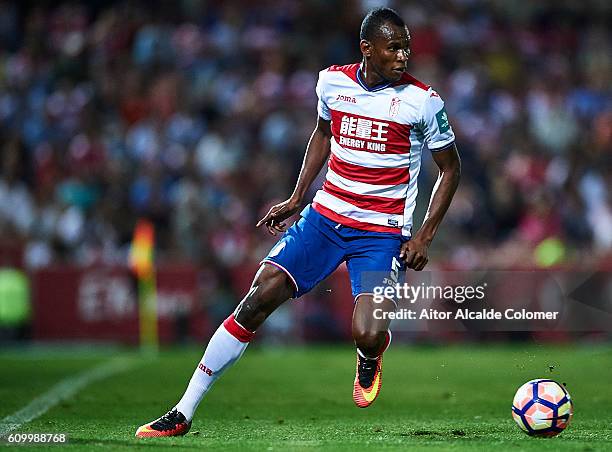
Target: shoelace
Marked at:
367, 370
168, 421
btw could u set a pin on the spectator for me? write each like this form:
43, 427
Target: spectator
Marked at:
196, 115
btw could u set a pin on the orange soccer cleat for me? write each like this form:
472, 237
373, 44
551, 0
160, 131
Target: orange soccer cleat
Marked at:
368, 377
173, 423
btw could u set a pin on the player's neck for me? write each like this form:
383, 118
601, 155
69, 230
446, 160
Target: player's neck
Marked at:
370, 77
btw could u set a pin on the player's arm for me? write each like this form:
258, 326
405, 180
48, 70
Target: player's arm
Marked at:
414, 252
317, 151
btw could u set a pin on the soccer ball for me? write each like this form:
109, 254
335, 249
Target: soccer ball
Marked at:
542, 407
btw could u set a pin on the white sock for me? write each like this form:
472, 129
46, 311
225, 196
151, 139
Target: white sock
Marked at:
226, 346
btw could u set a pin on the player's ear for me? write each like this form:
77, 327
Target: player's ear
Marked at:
366, 48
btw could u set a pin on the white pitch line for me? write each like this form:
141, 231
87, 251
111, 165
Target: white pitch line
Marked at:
63, 390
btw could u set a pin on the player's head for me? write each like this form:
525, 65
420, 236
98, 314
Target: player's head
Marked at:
385, 43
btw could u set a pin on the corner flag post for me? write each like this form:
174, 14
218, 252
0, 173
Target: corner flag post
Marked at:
142, 263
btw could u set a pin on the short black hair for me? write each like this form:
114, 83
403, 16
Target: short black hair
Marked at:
375, 19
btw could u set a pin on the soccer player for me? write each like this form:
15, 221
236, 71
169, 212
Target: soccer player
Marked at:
374, 120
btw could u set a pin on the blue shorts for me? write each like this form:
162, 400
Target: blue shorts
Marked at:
315, 246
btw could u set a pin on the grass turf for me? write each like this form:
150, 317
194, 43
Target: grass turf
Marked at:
449, 398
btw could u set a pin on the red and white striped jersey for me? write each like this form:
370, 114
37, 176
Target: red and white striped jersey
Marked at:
378, 135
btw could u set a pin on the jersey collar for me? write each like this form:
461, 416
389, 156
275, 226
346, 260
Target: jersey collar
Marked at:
363, 84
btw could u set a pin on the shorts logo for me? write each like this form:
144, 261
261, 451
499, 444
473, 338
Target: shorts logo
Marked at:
394, 108
393, 279
395, 268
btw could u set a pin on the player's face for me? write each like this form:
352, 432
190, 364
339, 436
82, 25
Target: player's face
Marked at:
389, 51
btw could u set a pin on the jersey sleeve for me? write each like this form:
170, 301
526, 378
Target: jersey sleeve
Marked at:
322, 107
434, 123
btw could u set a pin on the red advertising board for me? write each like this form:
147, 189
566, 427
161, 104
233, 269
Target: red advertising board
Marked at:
101, 303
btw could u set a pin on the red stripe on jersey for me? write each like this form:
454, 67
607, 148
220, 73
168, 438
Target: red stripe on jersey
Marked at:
365, 130
346, 221
374, 176
349, 69
408, 79
367, 202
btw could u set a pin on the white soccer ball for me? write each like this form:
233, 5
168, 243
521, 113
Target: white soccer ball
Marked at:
542, 407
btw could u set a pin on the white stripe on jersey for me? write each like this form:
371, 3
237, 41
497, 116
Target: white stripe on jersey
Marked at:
361, 188
369, 159
348, 210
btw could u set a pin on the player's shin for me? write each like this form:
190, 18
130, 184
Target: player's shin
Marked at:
225, 348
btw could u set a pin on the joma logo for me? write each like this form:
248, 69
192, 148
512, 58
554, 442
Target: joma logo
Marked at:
343, 98
205, 369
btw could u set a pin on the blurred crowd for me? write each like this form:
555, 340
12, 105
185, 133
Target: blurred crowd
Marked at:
195, 114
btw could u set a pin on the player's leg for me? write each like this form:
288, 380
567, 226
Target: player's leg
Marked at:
300, 260
270, 288
372, 337
373, 264
370, 325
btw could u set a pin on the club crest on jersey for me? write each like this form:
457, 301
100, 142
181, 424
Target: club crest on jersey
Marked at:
394, 108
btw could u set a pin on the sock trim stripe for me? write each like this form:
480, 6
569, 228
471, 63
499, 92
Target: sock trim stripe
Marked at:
237, 330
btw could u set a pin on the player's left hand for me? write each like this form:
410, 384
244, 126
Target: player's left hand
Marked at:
274, 219
414, 253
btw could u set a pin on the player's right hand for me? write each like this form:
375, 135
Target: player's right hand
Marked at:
414, 253
274, 219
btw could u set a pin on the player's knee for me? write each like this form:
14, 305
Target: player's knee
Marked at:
269, 290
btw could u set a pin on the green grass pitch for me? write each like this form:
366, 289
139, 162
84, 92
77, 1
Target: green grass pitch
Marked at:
446, 398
